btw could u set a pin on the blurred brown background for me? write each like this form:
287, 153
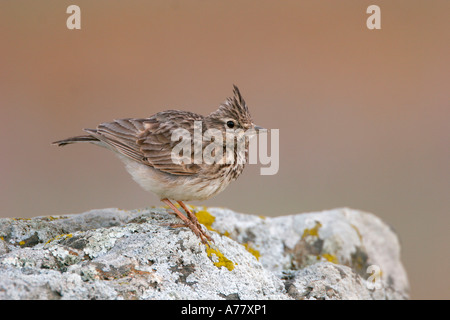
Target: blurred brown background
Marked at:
363, 115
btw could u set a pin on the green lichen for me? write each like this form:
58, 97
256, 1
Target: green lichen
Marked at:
53, 218
222, 260
360, 260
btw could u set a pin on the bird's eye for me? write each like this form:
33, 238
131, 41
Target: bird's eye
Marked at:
230, 124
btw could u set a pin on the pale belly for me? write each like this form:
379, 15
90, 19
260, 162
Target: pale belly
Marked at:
178, 188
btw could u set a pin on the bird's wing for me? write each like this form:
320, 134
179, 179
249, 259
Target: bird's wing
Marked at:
148, 141
121, 135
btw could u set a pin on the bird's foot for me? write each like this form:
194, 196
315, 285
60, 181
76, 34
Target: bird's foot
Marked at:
194, 220
195, 227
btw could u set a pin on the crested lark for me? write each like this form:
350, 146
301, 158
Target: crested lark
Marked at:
145, 146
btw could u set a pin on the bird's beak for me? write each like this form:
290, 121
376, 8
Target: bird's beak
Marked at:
255, 130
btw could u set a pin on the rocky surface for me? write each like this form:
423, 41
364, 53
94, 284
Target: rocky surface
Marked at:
117, 254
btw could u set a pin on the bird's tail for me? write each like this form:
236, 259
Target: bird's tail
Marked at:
75, 139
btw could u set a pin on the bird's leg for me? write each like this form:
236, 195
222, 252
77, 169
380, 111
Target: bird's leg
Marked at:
191, 216
194, 219
198, 232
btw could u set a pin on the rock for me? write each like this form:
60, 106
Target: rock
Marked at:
118, 254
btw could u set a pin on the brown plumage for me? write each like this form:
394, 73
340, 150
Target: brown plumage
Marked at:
145, 146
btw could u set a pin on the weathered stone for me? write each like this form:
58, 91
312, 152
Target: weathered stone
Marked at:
117, 254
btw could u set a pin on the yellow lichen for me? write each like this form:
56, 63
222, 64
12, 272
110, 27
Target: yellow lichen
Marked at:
22, 243
65, 236
312, 231
329, 257
252, 251
223, 261
52, 218
357, 232
205, 218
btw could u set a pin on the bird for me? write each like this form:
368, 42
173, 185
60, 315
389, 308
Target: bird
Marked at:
145, 146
